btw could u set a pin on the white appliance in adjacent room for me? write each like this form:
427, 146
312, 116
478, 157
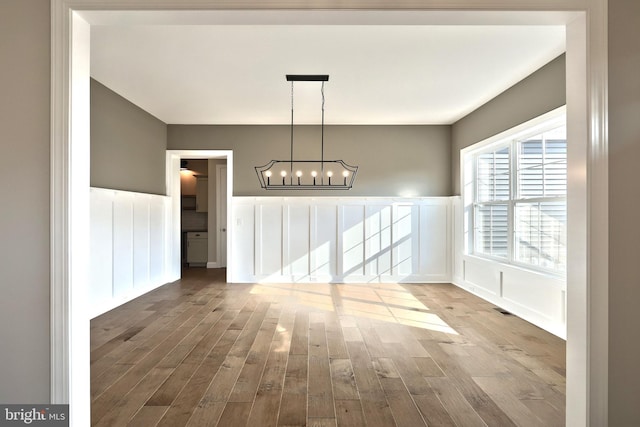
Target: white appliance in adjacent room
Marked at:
197, 248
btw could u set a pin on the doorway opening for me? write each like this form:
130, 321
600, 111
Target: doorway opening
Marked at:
200, 185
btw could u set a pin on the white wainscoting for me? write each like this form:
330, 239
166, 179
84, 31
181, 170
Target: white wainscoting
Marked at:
129, 246
305, 240
341, 240
534, 296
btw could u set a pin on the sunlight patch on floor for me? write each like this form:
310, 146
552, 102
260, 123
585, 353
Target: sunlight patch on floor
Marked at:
386, 302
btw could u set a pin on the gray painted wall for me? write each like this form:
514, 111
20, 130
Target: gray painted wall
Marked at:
127, 144
24, 191
539, 93
392, 160
624, 203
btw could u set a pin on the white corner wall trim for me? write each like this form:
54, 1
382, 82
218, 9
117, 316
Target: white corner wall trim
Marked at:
341, 240
129, 246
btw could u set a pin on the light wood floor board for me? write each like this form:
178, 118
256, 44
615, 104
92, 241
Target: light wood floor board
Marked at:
202, 352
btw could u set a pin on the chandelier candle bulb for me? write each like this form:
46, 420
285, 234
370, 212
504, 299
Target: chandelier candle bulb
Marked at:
345, 174
299, 175
283, 174
329, 175
314, 174
268, 175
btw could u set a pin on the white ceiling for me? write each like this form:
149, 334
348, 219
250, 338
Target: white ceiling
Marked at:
384, 68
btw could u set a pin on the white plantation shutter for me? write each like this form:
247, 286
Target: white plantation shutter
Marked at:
540, 234
540, 225
556, 167
492, 229
519, 212
491, 212
493, 172
542, 165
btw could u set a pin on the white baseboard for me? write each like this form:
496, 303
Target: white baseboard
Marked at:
212, 264
110, 304
544, 322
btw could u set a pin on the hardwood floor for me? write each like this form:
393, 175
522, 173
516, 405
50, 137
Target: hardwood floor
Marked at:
201, 352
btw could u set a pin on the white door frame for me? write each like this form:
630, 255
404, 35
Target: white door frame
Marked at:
173, 191
587, 298
220, 244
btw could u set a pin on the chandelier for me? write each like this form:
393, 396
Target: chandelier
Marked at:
319, 174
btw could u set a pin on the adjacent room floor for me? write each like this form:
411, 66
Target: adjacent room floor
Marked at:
201, 352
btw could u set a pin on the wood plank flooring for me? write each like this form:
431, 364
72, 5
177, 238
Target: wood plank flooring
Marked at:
201, 352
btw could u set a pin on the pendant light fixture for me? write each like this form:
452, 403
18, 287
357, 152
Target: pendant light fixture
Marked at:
319, 174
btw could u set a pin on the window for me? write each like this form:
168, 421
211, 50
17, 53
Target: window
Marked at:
492, 202
518, 202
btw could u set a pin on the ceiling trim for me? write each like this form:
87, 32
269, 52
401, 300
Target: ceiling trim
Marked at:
326, 17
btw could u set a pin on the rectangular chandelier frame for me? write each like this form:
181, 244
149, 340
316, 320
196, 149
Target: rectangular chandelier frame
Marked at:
318, 174
306, 175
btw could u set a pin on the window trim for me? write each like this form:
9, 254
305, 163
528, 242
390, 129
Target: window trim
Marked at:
468, 169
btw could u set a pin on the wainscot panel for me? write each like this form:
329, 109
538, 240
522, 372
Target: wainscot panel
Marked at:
341, 240
128, 246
